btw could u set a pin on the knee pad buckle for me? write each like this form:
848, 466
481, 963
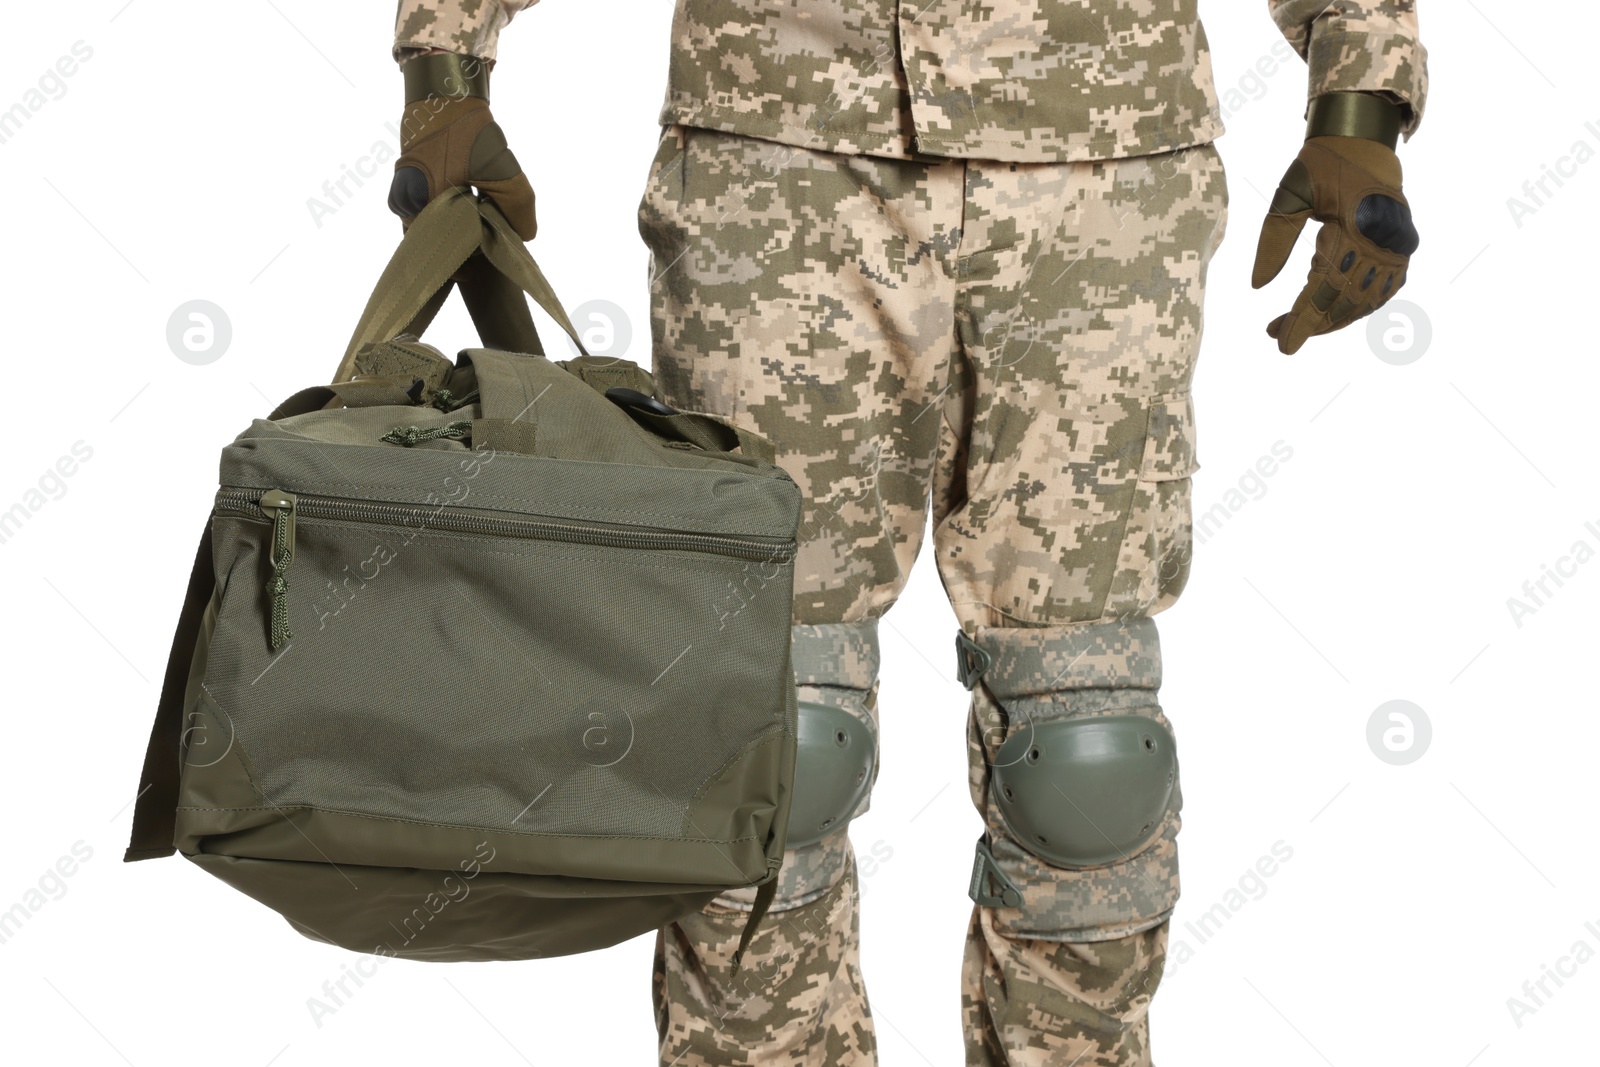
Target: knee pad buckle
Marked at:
989, 887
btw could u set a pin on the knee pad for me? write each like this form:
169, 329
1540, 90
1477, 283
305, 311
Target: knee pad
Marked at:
1086, 791
833, 765
1076, 774
836, 755
835, 673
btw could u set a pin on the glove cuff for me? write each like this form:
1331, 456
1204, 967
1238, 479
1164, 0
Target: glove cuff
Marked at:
445, 74
1364, 115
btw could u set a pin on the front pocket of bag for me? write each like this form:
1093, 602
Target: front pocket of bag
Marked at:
500, 682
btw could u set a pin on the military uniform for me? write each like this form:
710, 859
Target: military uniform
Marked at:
954, 253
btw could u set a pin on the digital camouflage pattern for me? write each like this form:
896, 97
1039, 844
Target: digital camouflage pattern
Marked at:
1359, 45
471, 27
798, 1000
1016, 341
1028, 81
1035, 80
843, 654
1059, 1003
753, 318
1118, 654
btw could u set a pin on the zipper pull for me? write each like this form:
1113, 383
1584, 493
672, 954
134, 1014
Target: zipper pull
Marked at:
278, 505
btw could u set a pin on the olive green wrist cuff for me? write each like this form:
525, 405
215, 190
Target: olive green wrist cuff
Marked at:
1355, 115
445, 74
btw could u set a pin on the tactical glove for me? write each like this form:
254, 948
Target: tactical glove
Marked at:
1347, 177
449, 139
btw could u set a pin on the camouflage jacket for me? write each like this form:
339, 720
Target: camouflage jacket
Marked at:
1012, 80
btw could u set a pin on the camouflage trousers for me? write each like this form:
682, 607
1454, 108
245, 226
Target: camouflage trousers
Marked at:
1012, 345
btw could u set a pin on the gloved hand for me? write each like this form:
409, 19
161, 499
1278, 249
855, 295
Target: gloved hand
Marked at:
1347, 177
449, 139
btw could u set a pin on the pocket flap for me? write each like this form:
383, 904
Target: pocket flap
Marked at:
1169, 451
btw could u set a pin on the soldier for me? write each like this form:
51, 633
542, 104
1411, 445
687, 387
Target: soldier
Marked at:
933, 256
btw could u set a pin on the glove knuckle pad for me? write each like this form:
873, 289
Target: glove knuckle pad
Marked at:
408, 192
1386, 222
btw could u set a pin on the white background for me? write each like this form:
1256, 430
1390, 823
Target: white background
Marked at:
1376, 564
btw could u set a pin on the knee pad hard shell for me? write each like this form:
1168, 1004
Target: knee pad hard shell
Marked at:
1086, 791
1075, 770
836, 757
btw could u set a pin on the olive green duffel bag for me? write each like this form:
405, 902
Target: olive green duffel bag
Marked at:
484, 659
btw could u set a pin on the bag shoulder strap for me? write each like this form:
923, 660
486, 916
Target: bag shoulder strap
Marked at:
155, 811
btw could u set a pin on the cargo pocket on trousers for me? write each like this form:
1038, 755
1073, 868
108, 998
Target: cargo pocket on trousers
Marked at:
693, 343
1157, 542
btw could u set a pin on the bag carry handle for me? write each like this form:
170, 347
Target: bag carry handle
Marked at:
462, 240
458, 239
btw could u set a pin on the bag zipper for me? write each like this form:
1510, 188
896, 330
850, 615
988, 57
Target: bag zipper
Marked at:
283, 508
280, 506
